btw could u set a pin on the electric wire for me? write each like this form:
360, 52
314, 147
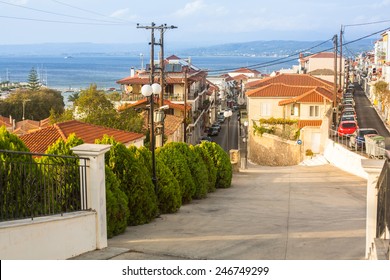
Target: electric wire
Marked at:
54, 13
272, 62
89, 11
59, 21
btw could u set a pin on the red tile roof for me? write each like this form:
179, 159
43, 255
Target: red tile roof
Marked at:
303, 123
171, 124
145, 102
278, 90
316, 95
246, 70
39, 140
291, 80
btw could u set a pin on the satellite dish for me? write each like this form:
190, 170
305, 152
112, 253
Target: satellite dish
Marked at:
129, 88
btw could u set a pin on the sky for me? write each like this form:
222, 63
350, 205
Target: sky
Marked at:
198, 22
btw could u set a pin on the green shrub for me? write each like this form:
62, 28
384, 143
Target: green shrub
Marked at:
168, 189
197, 168
135, 181
116, 205
210, 168
221, 162
170, 155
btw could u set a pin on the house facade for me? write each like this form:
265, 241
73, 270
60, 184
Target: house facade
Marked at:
299, 97
321, 65
184, 84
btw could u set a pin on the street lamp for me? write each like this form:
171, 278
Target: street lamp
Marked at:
227, 115
148, 91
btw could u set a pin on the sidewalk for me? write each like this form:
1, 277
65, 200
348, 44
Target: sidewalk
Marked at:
278, 213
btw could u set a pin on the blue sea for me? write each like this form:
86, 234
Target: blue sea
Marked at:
78, 72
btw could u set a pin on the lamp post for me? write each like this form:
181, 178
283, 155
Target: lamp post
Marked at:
227, 115
148, 91
246, 123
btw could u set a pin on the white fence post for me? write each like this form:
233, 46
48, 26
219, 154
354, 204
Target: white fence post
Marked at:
96, 186
373, 169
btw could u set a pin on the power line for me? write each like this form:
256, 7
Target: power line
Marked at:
367, 23
273, 62
54, 13
89, 11
59, 21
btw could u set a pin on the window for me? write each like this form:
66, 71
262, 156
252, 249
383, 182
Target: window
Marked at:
295, 110
314, 111
265, 109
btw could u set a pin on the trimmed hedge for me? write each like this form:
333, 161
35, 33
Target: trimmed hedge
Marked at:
135, 182
116, 201
168, 189
177, 163
221, 162
211, 170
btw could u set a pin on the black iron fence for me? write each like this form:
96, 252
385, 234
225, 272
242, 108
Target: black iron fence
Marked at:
35, 185
383, 214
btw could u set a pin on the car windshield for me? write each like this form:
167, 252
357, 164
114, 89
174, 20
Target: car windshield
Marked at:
348, 125
365, 132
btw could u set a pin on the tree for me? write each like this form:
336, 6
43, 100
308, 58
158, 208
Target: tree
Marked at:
33, 80
383, 93
93, 107
38, 107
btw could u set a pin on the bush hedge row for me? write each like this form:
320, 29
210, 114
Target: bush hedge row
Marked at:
183, 173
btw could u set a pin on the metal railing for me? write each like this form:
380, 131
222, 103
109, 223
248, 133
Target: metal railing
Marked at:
383, 210
36, 185
376, 152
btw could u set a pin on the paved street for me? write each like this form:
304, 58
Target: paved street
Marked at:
275, 213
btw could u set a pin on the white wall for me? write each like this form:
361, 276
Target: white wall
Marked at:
344, 159
48, 238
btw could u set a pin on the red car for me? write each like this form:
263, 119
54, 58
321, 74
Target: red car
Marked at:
347, 128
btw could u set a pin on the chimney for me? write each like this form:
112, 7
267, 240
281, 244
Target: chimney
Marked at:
132, 72
10, 119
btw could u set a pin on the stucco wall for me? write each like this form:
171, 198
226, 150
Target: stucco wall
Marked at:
270, 150
48, 238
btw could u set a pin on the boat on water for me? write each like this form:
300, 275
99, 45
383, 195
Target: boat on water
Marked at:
68, 57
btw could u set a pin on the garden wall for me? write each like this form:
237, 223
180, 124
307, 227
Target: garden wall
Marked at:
271, 150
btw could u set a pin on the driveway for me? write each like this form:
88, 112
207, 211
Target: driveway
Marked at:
278, 213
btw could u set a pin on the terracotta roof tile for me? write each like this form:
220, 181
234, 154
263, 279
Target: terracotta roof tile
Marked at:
291, 80
278, 90
316, 95
171, 124
5, 120
39, 140
303, 123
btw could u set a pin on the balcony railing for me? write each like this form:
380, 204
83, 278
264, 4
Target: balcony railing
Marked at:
35, 185
383, 213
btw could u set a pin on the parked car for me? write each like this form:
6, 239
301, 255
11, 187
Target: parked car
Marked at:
217, 125
349, 111
206, 138
357, 139
348, 101
221, 117
347, 95
347, 128
213, 131
347, 118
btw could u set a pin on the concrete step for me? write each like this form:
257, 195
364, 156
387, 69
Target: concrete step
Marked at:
315, 161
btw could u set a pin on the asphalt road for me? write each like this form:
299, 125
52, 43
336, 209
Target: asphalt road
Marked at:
229, 127
366, 114
269, 213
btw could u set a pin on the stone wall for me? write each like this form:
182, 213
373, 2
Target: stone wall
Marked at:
271, 150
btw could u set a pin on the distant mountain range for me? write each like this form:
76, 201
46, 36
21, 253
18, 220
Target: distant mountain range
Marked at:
276, 48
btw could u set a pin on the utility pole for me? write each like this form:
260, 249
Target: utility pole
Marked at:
335, 79
162, 29
185, 103
341, 58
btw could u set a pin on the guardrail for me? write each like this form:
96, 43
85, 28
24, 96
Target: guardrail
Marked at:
375, 152
35, 185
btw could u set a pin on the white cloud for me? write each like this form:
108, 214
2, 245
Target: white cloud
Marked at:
122, 14
190, 8
19, 2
